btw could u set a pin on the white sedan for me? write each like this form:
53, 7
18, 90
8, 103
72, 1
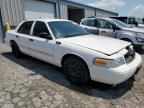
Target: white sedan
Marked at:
83, 56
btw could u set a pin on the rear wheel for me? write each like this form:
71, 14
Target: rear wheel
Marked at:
76, 70
15, 50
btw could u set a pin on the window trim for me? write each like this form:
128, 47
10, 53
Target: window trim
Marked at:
31, 32
51, 33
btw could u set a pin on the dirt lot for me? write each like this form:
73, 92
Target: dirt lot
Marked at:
30, 83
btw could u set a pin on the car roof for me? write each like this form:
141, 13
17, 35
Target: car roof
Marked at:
109, 19
98, 18
47, 20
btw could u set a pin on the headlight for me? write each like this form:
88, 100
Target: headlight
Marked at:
139, 39
139, 34
109, 62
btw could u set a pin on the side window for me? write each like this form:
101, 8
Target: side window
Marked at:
25, 28
105, 24
84, 22
91, 23
40, 29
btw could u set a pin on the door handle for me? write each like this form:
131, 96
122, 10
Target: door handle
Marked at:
58, 43
31, 40
17, 36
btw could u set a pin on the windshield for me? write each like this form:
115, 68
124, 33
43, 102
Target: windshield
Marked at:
65, 29
139, 20
120, 23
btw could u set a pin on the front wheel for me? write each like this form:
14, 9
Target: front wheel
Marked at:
138, 48
76, 70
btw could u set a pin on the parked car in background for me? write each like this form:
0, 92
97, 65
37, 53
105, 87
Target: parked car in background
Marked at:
114, 28
83, 56
133, 21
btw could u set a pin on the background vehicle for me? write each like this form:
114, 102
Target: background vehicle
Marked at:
82, 56
114, 28
133, 21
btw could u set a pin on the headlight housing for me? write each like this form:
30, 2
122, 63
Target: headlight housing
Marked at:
109, 63
138, 34
139, 37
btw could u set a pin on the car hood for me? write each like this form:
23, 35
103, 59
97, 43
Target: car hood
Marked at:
136, 29
98, 43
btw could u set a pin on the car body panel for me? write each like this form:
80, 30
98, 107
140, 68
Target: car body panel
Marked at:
123, 33
97, 43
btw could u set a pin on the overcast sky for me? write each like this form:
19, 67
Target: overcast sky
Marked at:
123, 7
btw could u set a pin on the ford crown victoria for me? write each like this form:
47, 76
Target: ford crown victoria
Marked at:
83, 56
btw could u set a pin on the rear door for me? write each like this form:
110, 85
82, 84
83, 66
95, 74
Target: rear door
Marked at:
106, 28
42, 48
23, 34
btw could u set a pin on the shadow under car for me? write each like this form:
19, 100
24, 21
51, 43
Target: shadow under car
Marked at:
56, 75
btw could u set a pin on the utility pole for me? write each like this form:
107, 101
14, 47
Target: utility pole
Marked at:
2, 32
59, 9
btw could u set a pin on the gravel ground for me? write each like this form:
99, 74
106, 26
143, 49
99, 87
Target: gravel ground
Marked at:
30, 83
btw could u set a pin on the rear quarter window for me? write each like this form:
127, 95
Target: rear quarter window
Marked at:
84, 22
90, 22
25, 28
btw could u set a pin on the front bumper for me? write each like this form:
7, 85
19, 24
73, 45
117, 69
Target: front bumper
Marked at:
115, 75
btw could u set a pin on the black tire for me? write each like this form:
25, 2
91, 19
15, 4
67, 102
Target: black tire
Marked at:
15, 50
76, 70
138, 48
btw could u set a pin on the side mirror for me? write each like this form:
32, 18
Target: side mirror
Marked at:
45, 35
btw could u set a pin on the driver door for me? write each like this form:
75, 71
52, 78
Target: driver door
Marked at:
106, 28
42, 47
